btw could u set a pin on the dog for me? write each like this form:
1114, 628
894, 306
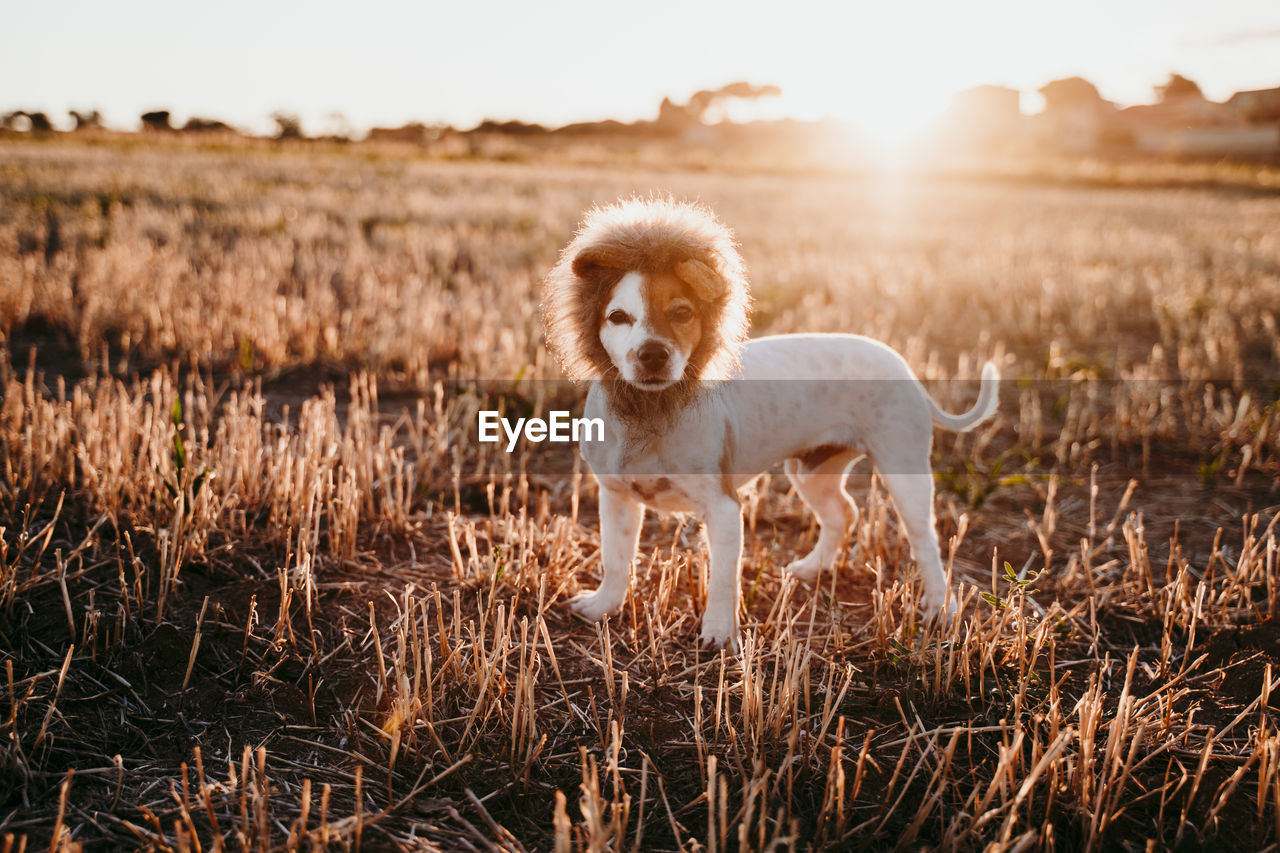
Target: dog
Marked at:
649, 302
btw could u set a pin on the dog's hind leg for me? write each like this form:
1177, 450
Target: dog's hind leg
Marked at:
620, 519
912, 495
822, 488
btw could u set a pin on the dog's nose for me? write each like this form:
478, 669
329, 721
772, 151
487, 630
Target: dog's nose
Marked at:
653, 355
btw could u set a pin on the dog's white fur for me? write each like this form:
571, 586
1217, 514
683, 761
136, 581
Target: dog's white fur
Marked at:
714, 440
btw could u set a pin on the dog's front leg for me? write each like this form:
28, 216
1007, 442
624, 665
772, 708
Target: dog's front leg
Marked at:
724, 532
620, 519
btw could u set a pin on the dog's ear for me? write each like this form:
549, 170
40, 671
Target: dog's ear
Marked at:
706, 283
595, 258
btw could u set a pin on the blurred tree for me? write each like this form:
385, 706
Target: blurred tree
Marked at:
156, 120
288, 125
673, 115
40, 122
22, 120
1069, 93
704, 100
1178, 87
86, 121
195, 124
748, 91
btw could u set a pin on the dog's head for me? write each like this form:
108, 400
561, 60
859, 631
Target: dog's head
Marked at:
649, 291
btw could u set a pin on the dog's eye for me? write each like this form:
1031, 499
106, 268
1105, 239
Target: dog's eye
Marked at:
681, 314
620, 318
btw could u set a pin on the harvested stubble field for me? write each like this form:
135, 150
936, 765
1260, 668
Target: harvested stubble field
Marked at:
259, 586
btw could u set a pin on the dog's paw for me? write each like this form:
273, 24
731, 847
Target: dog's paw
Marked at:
720, 636
805, 569
940, 608
717, 641
593, 606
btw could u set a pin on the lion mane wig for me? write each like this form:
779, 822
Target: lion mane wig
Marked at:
653, 235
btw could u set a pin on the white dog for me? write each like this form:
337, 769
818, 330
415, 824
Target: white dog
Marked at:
649, 301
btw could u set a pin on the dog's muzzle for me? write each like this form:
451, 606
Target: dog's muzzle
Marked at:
653, 365
653, 357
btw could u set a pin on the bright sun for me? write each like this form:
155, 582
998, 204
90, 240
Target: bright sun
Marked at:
891, 123
887, 120
873, 67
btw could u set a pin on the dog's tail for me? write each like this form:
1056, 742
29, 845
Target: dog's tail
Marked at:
983, 409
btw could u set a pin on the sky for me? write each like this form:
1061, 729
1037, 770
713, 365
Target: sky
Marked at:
884, 66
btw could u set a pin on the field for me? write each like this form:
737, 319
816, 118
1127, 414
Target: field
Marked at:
261, 588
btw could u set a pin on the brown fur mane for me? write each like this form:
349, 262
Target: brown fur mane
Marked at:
646, 236
648, 413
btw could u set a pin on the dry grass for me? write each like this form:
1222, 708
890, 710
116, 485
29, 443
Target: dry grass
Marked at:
247, 601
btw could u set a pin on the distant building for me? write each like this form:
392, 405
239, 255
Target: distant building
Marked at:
1184, 122
1185, 111
1208, 140
986, 106
1257, 106
1077, 119
984, 118
415, 132
987, 103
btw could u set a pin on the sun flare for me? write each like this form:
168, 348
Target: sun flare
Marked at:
891, 123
